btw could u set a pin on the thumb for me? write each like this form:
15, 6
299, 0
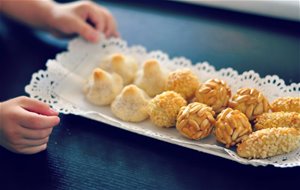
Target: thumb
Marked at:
36, 106
86, 31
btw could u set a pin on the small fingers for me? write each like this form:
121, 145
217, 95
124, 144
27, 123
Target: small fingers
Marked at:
35, 121
33, 134
32, 149
86, 31
34, 142
36, 106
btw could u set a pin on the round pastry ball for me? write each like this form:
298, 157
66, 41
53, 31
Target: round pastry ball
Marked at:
163, 108
250, 101
131, 104
102, 87
232, 126
215, 93
195, 121
184, 82
152, 78
124, 65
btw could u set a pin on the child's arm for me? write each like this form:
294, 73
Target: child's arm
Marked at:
63, 19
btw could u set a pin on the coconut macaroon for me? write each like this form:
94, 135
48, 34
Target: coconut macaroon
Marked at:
277, 119
232, 126
124, 65
215, 93
102, 87
131, 104
152, 78
184, 82
250, 101
269, 142
286, 104
195, 121
163, 108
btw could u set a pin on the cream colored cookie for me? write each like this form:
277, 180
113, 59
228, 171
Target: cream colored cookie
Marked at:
131, 104
102, 87
152, 78
124, 65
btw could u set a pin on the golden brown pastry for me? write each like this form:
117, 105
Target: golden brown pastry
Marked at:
131, 104
195, 121
152, 79
286, 104
232, 126
102, 87
163, 108
250, 101
215, 93
184, 82
269, 142
124, 65
277, 119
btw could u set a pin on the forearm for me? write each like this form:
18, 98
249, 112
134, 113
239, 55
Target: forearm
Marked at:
36, 13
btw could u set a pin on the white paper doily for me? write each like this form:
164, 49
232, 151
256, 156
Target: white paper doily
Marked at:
61, 87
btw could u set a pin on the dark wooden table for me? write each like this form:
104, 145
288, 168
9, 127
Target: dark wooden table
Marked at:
85, 154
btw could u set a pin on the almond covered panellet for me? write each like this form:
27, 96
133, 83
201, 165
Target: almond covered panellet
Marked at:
269, 142
250, 101
215, 93
231, 127
286, 104
163, 108
277, 119
195, 121
184, 82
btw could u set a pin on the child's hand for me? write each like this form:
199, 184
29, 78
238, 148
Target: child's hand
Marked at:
25, 125
77, 17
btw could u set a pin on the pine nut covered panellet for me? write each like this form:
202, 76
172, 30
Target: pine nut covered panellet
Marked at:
250, 101
232, 126
195, 121
215, 93
269, 142
277, 119
287, 104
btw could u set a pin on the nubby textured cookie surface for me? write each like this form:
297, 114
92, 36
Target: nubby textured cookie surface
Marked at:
269, 142
286, 104
184, 82
163, 108
195, 121
277, 119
